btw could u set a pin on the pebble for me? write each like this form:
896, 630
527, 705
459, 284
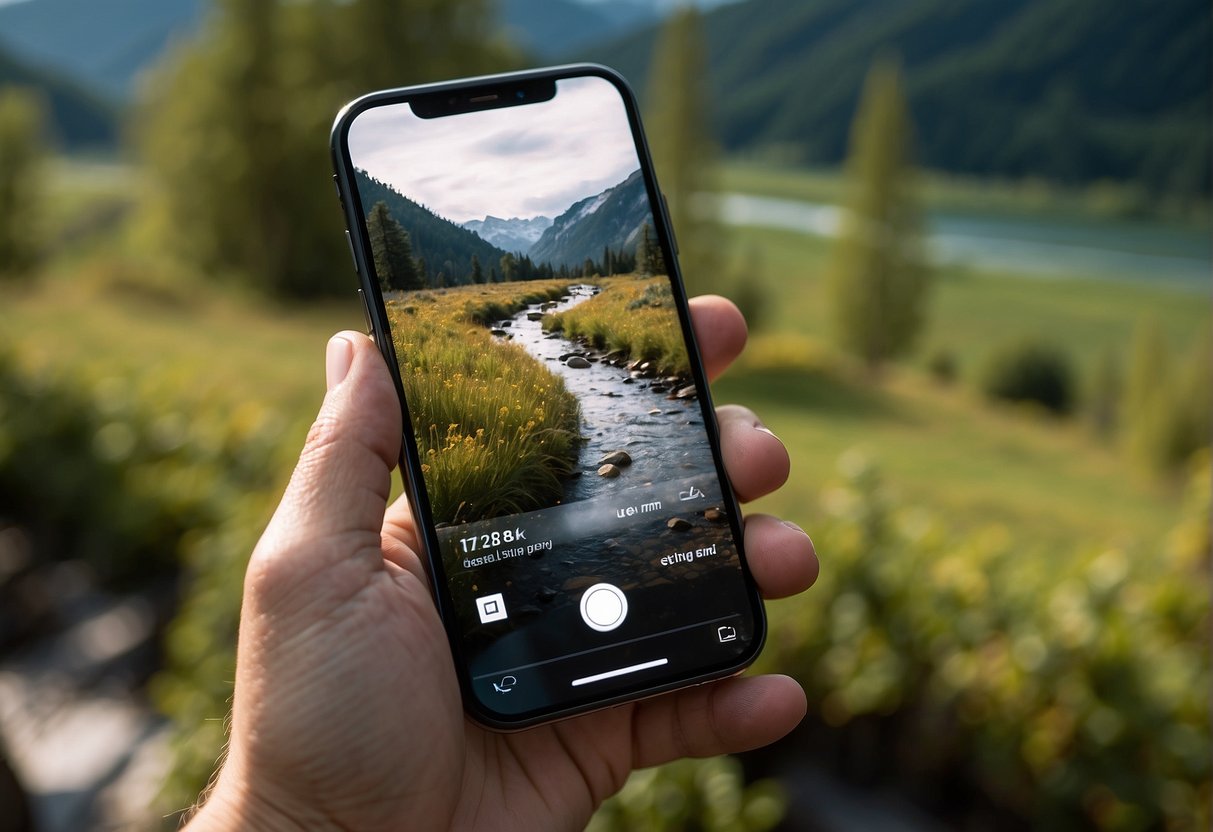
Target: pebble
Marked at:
609, 471
677, 524
578, 363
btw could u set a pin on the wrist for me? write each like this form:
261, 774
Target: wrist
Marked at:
237, 804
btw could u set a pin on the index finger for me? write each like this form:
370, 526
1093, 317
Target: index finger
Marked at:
720, 330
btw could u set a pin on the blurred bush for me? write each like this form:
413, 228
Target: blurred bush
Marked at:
691, 796
1030, 371
93, 473
1065, 689
942, 366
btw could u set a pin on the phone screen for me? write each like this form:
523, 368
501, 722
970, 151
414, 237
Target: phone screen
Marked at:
559, 422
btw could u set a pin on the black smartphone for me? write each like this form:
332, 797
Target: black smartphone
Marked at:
560, 450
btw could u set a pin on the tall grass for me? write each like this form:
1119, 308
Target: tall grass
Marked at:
497, 431
632, 314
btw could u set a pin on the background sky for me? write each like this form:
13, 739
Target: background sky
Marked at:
513, 162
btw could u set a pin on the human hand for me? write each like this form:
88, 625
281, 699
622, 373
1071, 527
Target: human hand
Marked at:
347, 711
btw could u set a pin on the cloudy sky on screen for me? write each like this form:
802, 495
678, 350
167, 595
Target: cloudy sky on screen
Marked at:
513, 162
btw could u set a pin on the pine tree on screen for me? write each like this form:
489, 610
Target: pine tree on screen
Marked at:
392, 251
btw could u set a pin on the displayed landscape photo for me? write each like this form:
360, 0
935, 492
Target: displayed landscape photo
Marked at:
531, 311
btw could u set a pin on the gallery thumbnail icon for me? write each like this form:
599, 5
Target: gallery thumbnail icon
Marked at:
491, 608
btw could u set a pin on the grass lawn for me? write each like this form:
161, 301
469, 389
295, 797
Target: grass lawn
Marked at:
945, 451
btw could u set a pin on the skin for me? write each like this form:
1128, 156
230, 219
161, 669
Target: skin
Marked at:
347, 712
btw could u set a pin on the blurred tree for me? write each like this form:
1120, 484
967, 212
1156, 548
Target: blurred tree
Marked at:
1194, 405
234, 126
22, 134
1107, 390
477, 271
1144, 408
392, 251
683, 151
877, 285
1168, 405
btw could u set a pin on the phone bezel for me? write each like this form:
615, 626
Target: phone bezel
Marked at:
410, 463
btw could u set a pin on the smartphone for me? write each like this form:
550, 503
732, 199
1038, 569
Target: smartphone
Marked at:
560, 447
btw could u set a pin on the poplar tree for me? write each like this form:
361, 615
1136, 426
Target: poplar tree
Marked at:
477, 271
1147, 383
22, 124
878, 282
683, 151
233, 129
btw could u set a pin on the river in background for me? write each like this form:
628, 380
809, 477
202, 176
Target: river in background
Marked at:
1038, 246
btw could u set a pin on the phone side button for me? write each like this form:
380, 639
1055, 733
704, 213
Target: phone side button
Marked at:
349, 241
669, 223
366, 312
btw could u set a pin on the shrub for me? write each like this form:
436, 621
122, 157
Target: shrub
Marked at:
1066, 689
942, 366
94, 474
692, 795
1030, 371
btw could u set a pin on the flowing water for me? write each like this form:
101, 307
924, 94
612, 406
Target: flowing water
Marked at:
619, 412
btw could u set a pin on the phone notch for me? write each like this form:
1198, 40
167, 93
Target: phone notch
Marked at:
490, 97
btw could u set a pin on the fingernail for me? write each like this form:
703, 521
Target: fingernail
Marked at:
765, 430
337, 360
792, 525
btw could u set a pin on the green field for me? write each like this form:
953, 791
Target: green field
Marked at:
102, 313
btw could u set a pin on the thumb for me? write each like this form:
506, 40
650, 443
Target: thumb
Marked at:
333, 507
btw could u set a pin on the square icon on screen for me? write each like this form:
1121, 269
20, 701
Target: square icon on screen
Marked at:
491, 608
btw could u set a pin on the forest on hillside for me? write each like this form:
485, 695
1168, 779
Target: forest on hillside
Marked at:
1073, 92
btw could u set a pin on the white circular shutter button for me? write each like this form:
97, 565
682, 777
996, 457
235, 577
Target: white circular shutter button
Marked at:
604, 607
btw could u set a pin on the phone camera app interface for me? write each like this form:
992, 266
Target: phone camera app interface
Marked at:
586, 540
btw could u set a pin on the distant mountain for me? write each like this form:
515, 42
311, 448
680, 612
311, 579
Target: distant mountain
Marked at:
516, 235
1072, 91
446, 247
78, 119
102, 43
612, 218
547, 28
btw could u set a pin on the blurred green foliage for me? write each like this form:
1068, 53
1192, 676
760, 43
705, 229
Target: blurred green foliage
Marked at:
235, 126
22, 159
93, 472
691, 796
1071, 687
1030, 371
